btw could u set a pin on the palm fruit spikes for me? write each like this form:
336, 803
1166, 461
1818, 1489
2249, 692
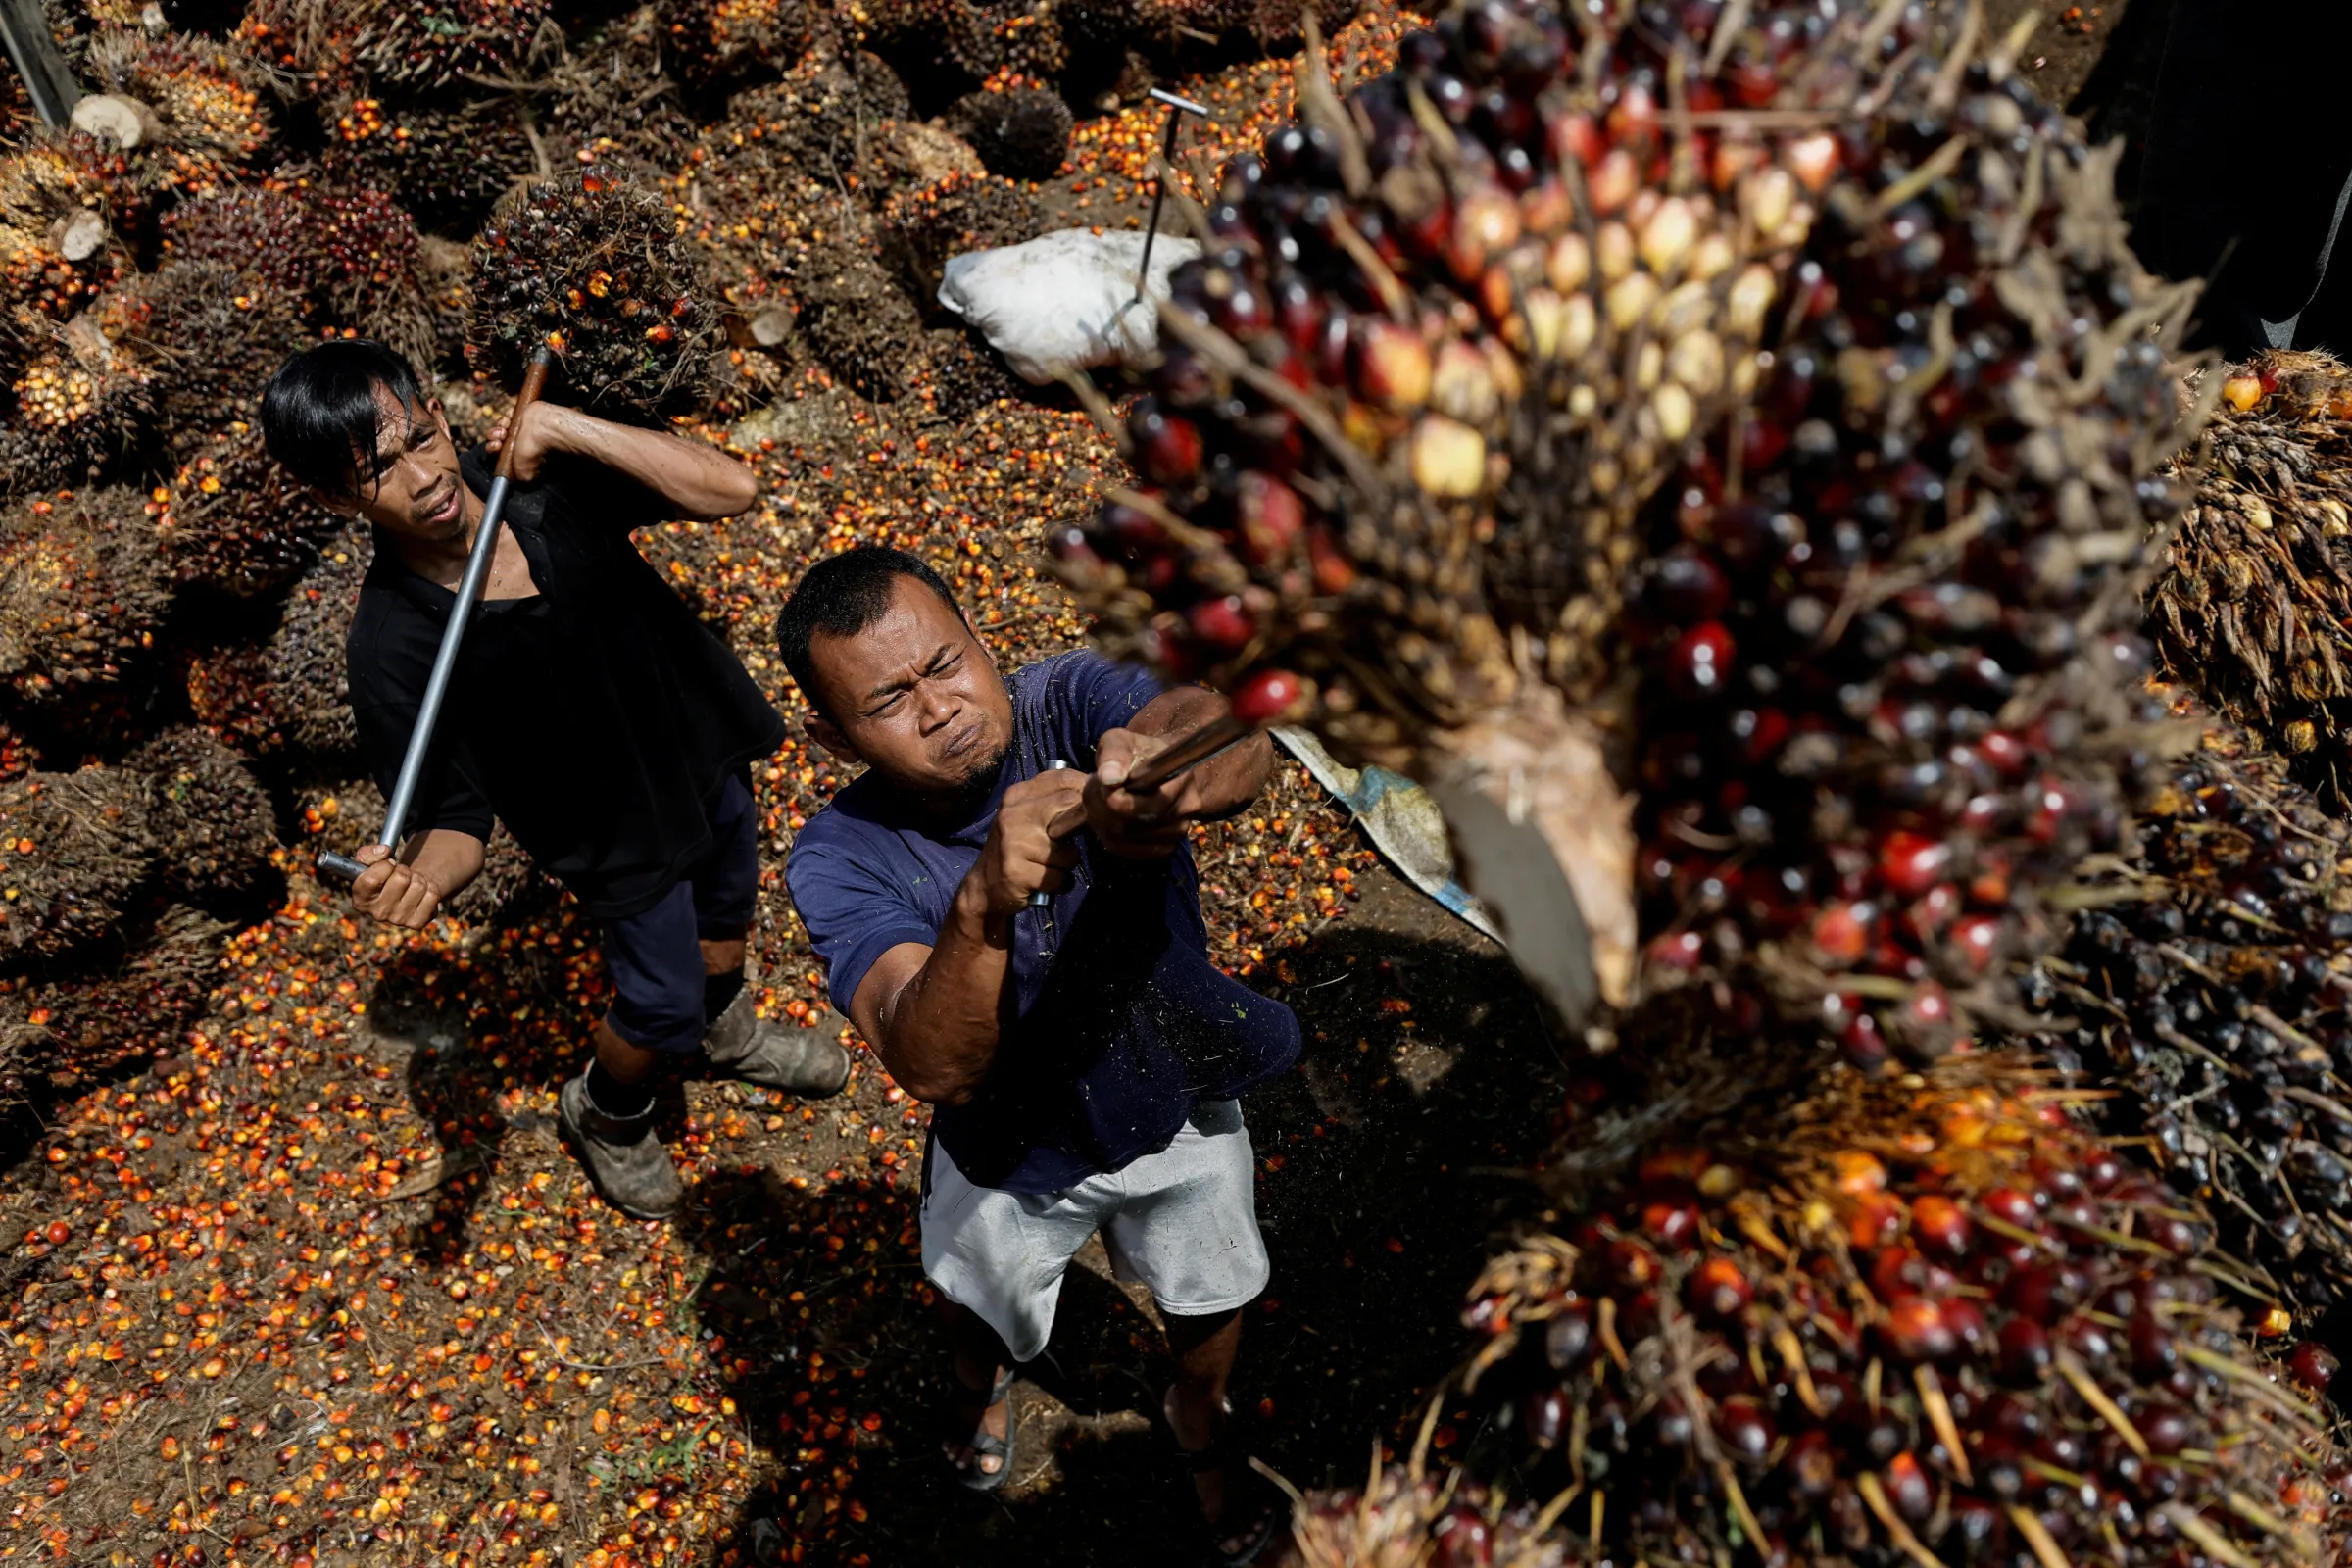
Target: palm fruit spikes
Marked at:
590, 266
211, 818
2253, 594
75, 849
2210, 987
1405, 1519
83, 592
1915, 1324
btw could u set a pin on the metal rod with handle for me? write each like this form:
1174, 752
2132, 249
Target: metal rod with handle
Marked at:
445, 661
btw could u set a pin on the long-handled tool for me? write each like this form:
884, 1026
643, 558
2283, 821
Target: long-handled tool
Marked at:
445, 661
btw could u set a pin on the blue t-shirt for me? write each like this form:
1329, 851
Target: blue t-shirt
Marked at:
1121, 1020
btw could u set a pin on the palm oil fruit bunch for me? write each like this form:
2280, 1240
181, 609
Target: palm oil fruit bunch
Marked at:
1021, 133
423, 45
209, 815
304, 664
449, 164
1889, 672
860, 325
714, 42
2209, 988
80, 406
232, 523
204, 124
83, 592
212, 335
588, 265
75, 849
922, 228
1405, 1519
57, 248
1447, 337
1925, 1323
2252, 603
79, 1029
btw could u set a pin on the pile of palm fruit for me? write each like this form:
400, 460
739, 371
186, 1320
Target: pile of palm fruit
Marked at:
662, 194
1771, 387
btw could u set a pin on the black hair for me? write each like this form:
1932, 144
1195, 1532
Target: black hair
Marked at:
841, 596
320, 416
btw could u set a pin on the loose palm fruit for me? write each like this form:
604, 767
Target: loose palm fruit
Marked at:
75, 849
82, 594
2254, 590
590, 266
209, 817
2209, 988
1823, 1358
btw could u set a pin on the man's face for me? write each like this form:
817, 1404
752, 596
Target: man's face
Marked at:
410, 486
915, 695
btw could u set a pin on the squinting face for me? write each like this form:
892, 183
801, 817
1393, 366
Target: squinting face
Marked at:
915, 695
410, 485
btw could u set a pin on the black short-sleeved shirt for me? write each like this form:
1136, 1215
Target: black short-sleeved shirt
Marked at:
596, 719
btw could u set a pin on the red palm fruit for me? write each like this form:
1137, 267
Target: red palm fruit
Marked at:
2314, 1365
1941, 1226
1266, 697
1389, 367
1717, 1289
2025, 1351
1272, 518
1745, 1429
1916, 1330
1674, 1222
1908, 1488
1167, 446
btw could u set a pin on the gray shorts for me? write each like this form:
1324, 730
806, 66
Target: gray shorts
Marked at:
1184, 1222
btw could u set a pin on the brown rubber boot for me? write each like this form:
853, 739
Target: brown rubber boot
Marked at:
799, 1061
620, 1153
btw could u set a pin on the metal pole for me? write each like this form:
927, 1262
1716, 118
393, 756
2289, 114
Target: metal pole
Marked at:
1178, 107
33, 51
445, 661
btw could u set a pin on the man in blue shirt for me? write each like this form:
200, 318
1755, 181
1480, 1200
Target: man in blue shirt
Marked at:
1084, 1056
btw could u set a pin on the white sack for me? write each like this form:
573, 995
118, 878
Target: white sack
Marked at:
1064, 300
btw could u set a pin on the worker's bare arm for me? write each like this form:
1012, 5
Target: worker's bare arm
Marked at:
936, 1013
409, 889
699, 482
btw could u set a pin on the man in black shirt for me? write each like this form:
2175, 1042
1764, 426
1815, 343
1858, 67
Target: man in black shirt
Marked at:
590, 711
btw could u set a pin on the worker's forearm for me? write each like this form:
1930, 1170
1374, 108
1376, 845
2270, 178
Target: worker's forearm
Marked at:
1224, 784
445, 857
701, 483
940, 1032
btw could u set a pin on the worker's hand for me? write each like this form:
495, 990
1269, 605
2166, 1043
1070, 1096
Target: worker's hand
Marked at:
1144, 825
1029, 848
393, 893
545, 428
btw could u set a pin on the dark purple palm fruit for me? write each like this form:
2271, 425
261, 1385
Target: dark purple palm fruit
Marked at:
1926, 1322
1886, 637
2252, 603
1448, 337
1441, 1519
590, 265
2209, 989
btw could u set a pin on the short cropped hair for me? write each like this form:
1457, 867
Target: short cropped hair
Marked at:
841, 596
320, 415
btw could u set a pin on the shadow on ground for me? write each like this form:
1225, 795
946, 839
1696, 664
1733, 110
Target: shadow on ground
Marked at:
1383, 1163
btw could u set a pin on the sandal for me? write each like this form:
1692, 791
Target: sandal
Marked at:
1248, 1500
973, 1434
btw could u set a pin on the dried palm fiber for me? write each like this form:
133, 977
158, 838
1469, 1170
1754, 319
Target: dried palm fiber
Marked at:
231, 691
2209, 989
307, 676
81, 404
1406, 1518
2254, 587
1900, 1322
857, 323
917, 230
717, 42
58, 247
211, 818
420, 46
83, 592
70, 1032
210, 335
589, 264
449, 164
1020, 133
203, 127
75, 849
344, 818
234, 522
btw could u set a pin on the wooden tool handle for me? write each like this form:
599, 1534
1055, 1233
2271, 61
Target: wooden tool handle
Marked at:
534, 383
